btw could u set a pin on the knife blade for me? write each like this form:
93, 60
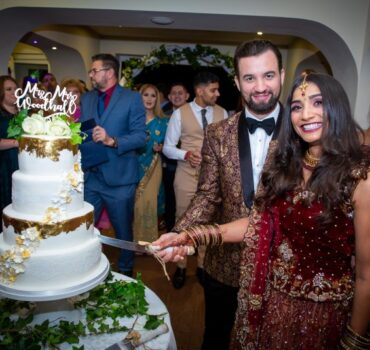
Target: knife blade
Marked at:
127, 245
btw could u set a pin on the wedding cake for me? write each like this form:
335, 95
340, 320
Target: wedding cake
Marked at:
49, 248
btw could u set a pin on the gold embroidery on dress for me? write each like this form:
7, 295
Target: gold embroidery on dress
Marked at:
148, 173
303, 195
255, 301
319, 288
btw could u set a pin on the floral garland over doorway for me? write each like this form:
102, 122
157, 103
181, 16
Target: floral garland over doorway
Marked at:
197, 57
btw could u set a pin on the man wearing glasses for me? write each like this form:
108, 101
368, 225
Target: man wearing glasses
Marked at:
114, 120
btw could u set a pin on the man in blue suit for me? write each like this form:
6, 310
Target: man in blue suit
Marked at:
114, 119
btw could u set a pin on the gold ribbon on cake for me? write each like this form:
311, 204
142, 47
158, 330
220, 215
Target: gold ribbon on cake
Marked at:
44, 148
48, 229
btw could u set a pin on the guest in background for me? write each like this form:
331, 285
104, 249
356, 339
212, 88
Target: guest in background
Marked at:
8, 147
84, 86
38, 102
76, 88
149, 201
29, 78
178, 96
188, 125
49, 81
116, 118
166, 105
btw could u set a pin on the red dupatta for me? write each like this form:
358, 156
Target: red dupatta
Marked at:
254, 268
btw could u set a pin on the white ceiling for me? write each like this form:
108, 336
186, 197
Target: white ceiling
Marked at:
186, 27
167, 34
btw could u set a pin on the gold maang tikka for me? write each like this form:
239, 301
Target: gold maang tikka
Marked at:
304, 84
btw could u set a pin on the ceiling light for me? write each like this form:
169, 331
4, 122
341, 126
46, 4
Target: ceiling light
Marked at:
259, 33
54, 48
162, 20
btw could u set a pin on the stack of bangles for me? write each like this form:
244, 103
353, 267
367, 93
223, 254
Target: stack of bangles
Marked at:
353, 341
204, 235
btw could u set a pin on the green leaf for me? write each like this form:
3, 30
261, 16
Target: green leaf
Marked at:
105, 306
15, 124
152, 322
71, 339
209, 55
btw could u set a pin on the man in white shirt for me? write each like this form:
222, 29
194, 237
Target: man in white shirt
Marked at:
188, 126
178, 96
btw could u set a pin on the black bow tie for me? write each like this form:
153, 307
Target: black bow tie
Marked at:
267, 124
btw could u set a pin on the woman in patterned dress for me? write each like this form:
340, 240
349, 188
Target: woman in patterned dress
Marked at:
149, 201
305, 268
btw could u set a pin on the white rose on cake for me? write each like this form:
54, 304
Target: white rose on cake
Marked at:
57, 127
34, 125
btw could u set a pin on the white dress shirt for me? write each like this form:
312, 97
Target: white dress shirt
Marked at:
259, 143
173, 133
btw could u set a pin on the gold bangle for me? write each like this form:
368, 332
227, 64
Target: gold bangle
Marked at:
353, 341
190, 237
356, 336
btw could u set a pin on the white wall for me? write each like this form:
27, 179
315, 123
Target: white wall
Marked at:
347, 18
78, 43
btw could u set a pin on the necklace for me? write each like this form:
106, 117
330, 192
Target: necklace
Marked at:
309, 161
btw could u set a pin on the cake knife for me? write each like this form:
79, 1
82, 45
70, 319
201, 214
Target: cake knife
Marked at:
136, 247
127, 245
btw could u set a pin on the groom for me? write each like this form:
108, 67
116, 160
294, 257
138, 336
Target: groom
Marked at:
233, 156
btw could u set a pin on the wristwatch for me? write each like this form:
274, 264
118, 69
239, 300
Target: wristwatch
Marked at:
115, 142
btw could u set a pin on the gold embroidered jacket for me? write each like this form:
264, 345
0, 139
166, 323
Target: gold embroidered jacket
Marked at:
219, 197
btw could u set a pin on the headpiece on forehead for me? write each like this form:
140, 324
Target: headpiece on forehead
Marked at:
303, 86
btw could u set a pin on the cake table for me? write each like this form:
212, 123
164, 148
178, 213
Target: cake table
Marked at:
60, 310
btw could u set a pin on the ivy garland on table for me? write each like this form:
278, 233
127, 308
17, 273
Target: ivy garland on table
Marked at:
111, 300
195, 56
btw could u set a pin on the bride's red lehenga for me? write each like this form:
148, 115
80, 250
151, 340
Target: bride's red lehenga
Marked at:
297, 280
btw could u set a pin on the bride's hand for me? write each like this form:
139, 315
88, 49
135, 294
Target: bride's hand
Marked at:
172, 246
171, 239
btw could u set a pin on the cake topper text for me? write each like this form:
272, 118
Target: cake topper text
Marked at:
34, 98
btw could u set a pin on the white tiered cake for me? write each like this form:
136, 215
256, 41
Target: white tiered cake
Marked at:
49, 248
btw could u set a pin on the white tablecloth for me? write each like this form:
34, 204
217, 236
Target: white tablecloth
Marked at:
163, 342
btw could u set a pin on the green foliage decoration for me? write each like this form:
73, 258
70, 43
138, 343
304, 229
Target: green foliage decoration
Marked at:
195, 56
105, 305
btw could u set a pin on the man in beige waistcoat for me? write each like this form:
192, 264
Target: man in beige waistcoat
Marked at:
187, 126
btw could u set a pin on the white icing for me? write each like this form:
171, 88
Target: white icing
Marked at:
49, 269
61, 241
30, 163
49, 191
34, 194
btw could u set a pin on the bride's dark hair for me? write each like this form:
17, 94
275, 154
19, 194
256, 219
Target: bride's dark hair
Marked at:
341, 150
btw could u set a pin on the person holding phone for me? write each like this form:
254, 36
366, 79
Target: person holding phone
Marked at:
113, 118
